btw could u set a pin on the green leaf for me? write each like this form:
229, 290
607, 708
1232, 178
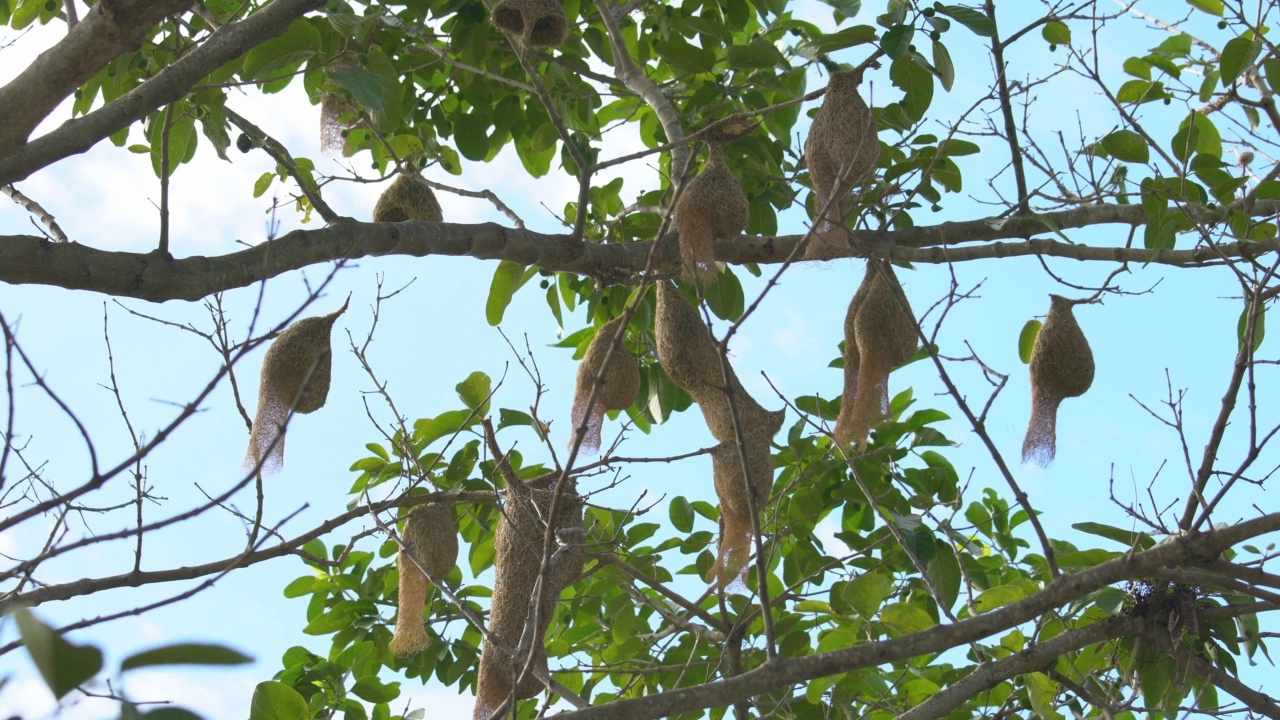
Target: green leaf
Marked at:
374, 690
725, 297
1056, 32
63, 666
1238, 54
508, 417
897, 41
759, 53
1027, 340
1127, 146
917, 84
300, 42
839, 40
1042, 691
363, 85
997, 597
186, 654
838, 639
906, 618
1259, 326
263, 182
507, 279
867, 592
976, 21
274, 700
1128, 538
681, 513
1213, 7
1138, 68
427, 431
1197, 135
474, 392
26, 12
300, 586
469, 135
1141, 91
942, 63
686, 57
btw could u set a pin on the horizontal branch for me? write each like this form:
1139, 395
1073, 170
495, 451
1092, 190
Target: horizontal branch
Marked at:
89, 586
782, 674
78, 135
27, 259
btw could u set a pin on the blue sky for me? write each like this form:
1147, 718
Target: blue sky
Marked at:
433, 335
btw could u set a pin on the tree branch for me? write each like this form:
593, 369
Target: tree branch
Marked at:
783, 673
109, 30
78, 135
27, 259
89, 586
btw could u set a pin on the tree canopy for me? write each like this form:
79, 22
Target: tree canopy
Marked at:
665, 533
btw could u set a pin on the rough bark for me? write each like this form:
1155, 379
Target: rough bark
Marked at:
107, 31
174, 82
26, 259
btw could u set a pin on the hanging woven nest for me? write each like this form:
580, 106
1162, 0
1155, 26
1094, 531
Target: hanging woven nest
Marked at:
712, 207
1061, 367
294, 379
882, 330
409, 197
617, 384
841, 151
691, 359
518, 546
533, 23
430, 533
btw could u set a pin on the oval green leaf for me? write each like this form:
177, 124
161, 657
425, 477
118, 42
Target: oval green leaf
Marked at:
186, 654
1027, 340
681, 513
1127, 146
276, 701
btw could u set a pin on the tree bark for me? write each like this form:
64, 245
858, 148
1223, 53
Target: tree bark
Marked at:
110, 29
26, 259
171, 84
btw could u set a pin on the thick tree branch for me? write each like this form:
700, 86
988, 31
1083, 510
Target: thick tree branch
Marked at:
785, 673
635, 80
1035, 657
107, 31
26, 259
91, 585
78, 135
